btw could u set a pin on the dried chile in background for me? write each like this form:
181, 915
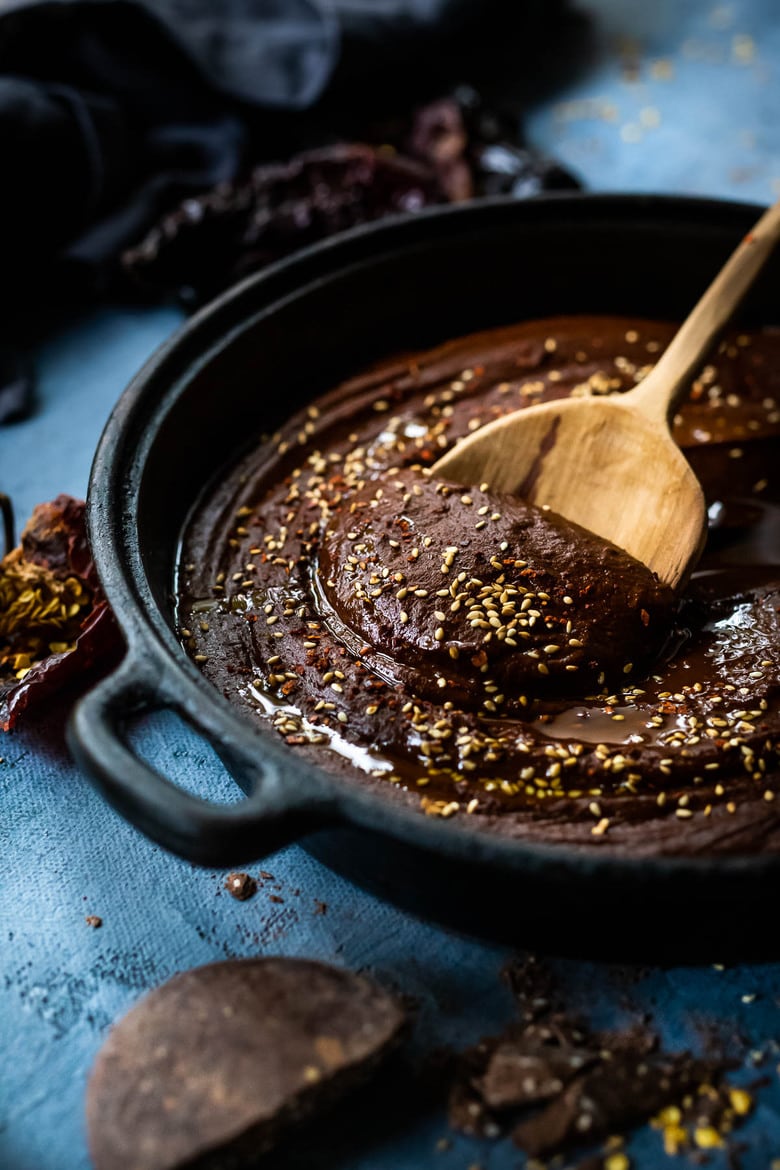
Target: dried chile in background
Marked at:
55, 624
210, 241
447, 151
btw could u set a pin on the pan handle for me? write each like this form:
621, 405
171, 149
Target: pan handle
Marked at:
278, 810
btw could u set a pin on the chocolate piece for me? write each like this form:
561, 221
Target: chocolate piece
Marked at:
520, 1073
590, 1084
218, 1063
94, 920
611, 1097
467, 1110
241, 885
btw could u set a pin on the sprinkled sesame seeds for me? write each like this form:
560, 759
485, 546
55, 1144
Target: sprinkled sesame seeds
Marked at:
511, 616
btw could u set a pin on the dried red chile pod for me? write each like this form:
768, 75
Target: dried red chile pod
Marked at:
477, 149
451, 149
54, 621
208, 242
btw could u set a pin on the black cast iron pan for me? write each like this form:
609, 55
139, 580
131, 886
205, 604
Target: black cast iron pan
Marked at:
242, 365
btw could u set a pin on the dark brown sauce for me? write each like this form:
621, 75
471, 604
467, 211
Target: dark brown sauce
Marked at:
664, 744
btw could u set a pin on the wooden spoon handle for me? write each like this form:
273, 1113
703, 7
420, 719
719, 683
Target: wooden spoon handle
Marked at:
662, 389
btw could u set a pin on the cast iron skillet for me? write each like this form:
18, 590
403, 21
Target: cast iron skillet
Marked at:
243, 364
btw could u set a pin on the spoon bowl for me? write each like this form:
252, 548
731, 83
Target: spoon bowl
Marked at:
602, 464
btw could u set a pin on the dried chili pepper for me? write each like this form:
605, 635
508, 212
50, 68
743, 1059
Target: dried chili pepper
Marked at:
54, 621
452, 149
208, 242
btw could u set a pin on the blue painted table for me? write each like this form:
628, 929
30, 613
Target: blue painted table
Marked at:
680, 97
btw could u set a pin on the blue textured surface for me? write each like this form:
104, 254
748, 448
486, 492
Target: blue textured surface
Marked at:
701, 116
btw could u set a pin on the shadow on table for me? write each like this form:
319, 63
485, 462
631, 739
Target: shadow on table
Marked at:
400, 1101
644, 918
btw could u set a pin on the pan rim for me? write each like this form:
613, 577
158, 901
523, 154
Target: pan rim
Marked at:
119, 559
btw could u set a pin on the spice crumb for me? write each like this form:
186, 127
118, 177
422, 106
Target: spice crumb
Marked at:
242, 886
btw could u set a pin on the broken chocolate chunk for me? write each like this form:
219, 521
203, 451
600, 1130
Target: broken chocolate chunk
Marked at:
215, 1066
560, 1084
621, 1090
520, 1073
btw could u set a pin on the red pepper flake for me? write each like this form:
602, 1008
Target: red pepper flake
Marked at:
55, 624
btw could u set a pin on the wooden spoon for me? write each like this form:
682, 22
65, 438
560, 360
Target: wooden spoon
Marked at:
610, 464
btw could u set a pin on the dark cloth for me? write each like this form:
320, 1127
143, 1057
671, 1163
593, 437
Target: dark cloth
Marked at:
112, 111
109, 110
